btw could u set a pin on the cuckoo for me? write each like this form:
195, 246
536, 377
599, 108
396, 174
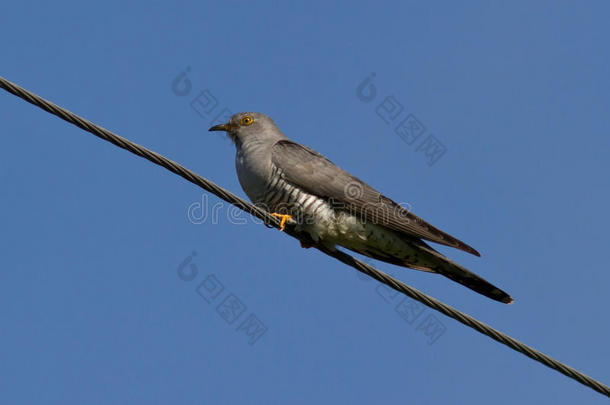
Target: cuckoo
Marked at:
329, 206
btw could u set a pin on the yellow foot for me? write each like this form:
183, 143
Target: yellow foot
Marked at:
285, 217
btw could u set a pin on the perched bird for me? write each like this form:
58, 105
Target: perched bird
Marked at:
329, 206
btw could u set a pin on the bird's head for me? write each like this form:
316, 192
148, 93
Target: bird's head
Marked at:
250, 126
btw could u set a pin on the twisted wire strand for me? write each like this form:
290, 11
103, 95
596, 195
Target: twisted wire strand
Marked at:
337, 254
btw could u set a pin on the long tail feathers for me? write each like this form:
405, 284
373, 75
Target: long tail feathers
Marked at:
462, 275
468, 279
435, 262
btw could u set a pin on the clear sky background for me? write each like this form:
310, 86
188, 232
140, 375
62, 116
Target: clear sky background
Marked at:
93, 238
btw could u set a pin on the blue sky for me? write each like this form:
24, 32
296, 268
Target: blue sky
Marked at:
103, 300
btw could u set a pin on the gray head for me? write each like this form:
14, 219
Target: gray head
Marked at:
246, 127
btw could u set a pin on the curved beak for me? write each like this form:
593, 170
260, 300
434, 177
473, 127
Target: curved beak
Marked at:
221, 127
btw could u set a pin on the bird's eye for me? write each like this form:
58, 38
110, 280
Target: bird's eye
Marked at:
246, 120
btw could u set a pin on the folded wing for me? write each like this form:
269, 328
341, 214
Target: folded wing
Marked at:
307, 169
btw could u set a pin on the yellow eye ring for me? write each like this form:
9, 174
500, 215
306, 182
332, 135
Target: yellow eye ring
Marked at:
246, 120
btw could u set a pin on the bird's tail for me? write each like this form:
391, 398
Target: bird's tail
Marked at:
450, 269
468, 279
432, 261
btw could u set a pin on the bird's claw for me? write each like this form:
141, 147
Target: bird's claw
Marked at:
284, 217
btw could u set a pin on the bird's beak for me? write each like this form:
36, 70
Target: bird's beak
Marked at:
222, 127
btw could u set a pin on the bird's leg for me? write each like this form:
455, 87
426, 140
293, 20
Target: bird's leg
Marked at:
306, 245
307, 241
284, 217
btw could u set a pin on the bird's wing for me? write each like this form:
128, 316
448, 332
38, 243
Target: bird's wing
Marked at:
307, 169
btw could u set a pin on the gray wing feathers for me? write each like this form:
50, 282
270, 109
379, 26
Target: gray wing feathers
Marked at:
309, 170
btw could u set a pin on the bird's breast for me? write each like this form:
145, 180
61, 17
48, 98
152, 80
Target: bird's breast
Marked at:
252, 173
